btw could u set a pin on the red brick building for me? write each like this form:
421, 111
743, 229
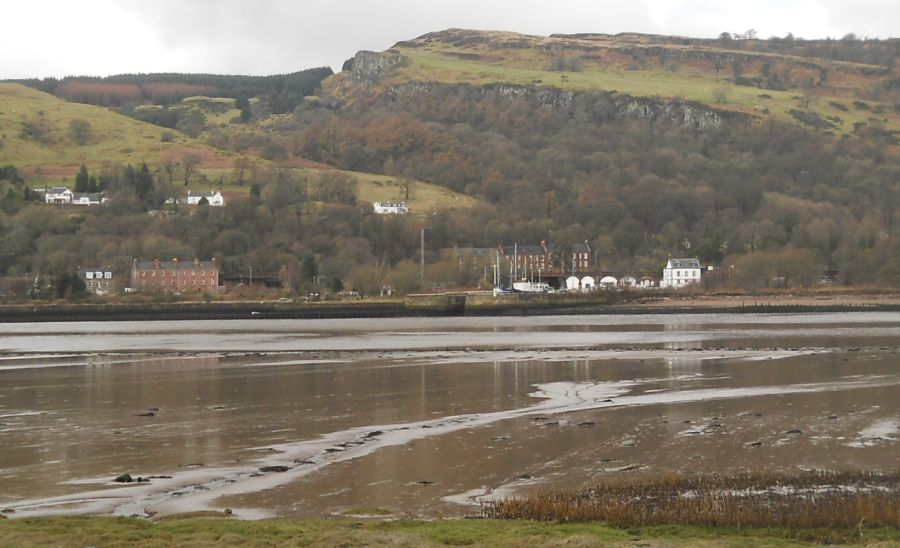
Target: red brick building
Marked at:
175, 276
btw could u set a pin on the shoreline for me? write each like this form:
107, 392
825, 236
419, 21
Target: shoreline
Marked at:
443, 305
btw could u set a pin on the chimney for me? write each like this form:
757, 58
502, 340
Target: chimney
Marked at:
544, 247
156, 263
196, 262
175, 262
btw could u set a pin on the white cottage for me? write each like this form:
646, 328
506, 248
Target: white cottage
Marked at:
680, 272
390, 208
213, 198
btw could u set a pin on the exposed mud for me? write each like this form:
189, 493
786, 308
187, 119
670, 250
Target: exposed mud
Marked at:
427, 417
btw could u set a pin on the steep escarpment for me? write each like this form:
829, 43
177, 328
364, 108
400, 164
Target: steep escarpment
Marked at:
679, 113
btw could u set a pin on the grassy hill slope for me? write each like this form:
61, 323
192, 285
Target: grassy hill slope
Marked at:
37, 137
832, 95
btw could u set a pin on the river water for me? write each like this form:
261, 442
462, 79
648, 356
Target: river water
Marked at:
426, 417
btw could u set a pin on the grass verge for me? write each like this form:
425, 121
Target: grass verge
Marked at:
201, 532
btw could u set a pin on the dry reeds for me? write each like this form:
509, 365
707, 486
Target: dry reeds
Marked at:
806, 500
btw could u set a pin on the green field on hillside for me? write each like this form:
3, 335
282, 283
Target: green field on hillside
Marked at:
37, 136
424, 197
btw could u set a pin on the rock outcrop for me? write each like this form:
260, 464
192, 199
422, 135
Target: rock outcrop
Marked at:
367, 67
679, 113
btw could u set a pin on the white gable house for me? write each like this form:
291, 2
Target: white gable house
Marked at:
98, 281
680, 272
213, 198
390, 208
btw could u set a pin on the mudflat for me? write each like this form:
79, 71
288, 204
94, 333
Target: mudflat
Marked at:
424, 417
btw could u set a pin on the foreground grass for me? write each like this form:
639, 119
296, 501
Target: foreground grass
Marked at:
110, 531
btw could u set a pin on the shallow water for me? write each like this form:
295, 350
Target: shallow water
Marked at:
427, 416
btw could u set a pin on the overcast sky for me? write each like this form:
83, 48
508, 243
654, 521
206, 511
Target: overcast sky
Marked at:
102, 37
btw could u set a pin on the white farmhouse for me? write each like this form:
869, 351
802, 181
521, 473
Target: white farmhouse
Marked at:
213, 198
680, 272
390, 208
58, 195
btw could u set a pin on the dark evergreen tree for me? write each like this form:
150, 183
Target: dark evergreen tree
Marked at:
243, 104
82, 180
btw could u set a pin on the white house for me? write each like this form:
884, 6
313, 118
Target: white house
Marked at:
213, 198
89, 198
98, 281
680, 272
572, 282
390, 208
58, 195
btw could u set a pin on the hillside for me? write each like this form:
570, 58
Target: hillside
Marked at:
49, 138
38, 138
835, 95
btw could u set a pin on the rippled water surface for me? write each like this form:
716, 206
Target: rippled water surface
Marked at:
428, 416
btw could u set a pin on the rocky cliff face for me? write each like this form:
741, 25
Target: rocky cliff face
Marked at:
679, 113
367, 67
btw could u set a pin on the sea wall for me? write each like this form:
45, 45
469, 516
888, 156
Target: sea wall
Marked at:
436, 305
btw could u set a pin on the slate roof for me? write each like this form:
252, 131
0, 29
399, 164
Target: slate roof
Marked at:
173, 265
684, 263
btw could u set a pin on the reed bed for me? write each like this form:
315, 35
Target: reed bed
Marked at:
805, 500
